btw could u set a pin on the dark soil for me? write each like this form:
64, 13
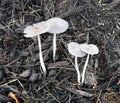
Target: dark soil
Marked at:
92, 21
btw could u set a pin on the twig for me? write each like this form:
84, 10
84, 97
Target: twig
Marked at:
14, 80
80, 92
53, 96
98, 100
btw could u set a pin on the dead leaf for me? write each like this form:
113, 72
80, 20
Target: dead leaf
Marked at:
13, 96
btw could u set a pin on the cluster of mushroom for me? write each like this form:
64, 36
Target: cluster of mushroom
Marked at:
53, 25
56, 26
80, 50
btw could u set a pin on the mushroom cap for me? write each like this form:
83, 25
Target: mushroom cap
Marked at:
58, 25
89, 48
36, 29
74, 49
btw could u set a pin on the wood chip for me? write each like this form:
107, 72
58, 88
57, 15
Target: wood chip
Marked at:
58, 64
25, 73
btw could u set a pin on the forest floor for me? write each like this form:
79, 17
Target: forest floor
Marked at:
92, 21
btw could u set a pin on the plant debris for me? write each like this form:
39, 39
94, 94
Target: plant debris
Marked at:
90, 21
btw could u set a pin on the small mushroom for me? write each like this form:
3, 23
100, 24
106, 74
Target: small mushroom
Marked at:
36, 30
58, 26
74, 49
90, 49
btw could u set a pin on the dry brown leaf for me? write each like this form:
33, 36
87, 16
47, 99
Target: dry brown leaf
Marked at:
13, 96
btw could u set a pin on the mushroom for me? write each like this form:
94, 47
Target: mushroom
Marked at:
74, 49
36, 30
58, 26
90, 49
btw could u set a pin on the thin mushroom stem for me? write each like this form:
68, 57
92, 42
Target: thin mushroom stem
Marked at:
85, 67
40, 56
77, 69
54, 46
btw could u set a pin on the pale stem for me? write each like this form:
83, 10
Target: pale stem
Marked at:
85, 67
54, 46
77, 69
40, 56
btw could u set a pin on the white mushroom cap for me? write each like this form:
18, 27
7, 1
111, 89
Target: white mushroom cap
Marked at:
58, 25
89, 48
74, 49
36, 29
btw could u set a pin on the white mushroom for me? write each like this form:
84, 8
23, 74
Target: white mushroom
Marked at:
90, 49
74, 49
36, 30
58, 26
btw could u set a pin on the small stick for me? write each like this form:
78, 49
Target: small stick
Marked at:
14, 80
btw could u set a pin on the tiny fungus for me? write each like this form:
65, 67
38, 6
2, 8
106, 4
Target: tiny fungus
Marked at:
74, 49
36, 30
58, 26
90, 49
